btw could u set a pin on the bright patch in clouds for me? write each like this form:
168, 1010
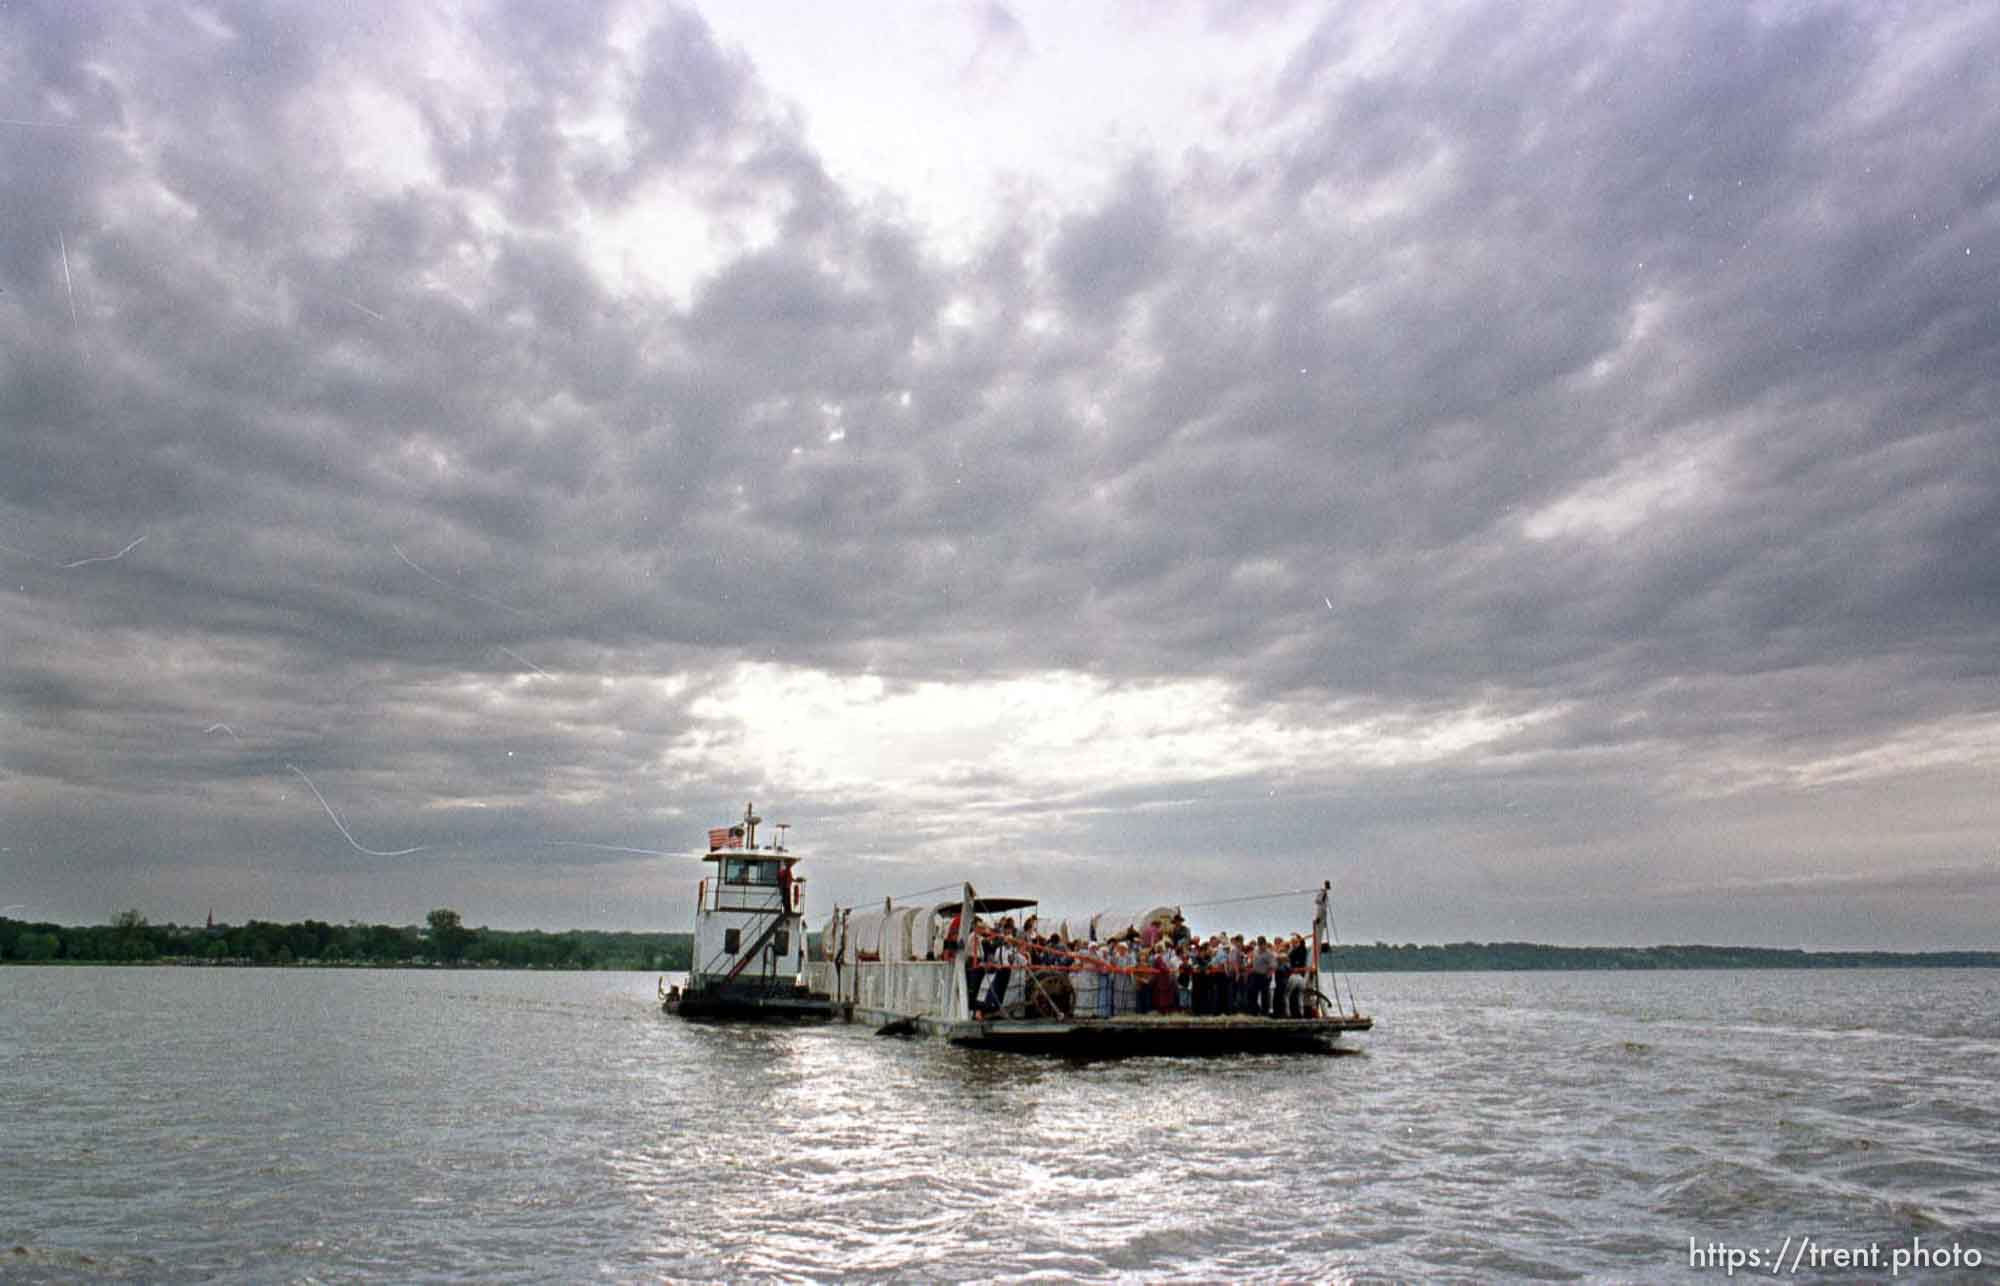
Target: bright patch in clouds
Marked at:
1673, 479
1960, 742
1057, 734
956, 115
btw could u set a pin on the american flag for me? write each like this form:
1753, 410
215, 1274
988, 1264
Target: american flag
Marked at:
723, 836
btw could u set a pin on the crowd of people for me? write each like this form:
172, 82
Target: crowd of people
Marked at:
1155, 968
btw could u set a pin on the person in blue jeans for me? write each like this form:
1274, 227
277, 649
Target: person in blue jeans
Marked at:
1263, 968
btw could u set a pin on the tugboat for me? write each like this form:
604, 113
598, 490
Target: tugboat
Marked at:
749, 935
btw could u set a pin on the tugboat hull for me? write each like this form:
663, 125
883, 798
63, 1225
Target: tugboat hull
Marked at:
746, 1004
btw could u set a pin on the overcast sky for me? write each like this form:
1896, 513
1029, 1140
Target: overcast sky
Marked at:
1536, 466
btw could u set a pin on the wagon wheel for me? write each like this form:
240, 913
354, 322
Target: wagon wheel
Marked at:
1052, 996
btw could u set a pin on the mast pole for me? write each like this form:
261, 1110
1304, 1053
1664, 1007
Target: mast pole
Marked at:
1319, 931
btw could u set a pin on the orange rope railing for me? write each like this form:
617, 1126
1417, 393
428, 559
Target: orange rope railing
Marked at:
1089, 963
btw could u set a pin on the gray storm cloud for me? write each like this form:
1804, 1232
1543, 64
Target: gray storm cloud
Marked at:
1537, 465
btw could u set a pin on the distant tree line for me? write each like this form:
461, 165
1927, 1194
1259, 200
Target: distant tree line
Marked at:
1411, 958
442, 940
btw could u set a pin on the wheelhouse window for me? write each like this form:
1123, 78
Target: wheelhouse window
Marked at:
749, 870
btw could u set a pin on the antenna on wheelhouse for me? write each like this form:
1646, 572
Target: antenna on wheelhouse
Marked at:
782, 828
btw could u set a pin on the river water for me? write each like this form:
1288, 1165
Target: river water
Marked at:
278, 1125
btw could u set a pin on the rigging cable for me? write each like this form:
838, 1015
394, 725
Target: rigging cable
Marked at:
1254, 897
1353, 1005
904, 897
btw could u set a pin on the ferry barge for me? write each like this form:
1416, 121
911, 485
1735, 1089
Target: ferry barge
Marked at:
905, 971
